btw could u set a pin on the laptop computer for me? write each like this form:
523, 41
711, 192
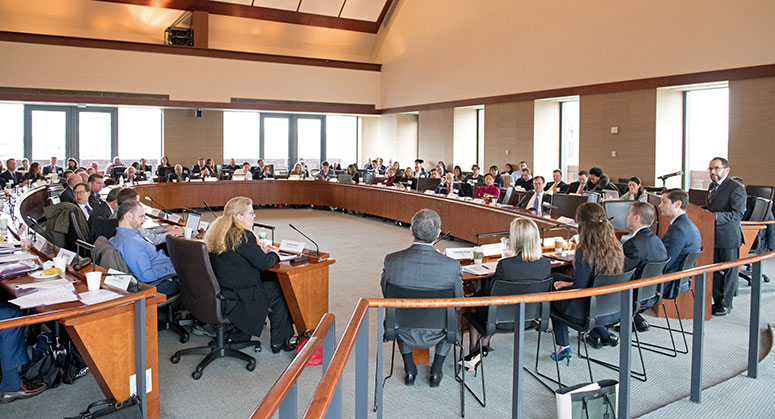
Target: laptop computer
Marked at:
344, 178
192, 221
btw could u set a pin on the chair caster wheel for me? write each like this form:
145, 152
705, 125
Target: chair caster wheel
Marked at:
257, 348
196, 375
175, 359
251, 366
184, 338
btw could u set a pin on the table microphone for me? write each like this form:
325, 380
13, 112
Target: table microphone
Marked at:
210, 209
317, 249
164, 210
444, 236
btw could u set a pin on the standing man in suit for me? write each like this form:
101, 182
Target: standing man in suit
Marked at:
422, 267
11, 177
682, 236
579, 186
643, 247
52, 167
556, 185
726, 198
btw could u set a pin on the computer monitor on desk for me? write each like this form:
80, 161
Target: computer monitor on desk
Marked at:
368, 178
566, 204
424, 183
192, 221
117, 171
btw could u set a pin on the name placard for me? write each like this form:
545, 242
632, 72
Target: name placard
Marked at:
68, 255
429, 192
460, 252
118, 281
175, 218
478, 201
290, 246
492, 249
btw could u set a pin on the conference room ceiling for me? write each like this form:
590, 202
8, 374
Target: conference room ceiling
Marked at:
369, 10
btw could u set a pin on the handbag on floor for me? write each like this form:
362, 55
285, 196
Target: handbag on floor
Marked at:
129, 409
53, 363
588, 401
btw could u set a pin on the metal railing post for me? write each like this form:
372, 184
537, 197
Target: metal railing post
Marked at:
625, 354
335, 408
329, 346
290, 405
140, 354
753, 328
519, 359
362, 370
698, 338
378, 389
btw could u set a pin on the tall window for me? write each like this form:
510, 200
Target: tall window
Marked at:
480, 138
49, 135
241, 137
706, 131
569, 139
341, 139
276, 131
139, 134
465, 138
12, 132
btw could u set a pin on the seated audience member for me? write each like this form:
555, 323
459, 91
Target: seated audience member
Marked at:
95, 166
198, 167
419, 171
457, 173
335, 167
397, 170
475, 179
353, 171
381, 167
579, 186
210, 165
90, 171
536, 201
441, 168
237, 262
163, 168
409, 178
10, 177
635, 191
682, 236
146, 263
525, 181
517, 173
556, 185
367, 165
258, 170
81, 194
643, 247
526, 264
447, 184
83, 174
598, 252
178, 175
131, 175
109, 168
600, 181
157, 235
390, 177
268, 173
25, 166
298, 170
496, 176
107, 209
13, 356
72, 164
244, 170
34, 174
489, 192
52, 168
232, 166
421, 267
325, 171
435, 174
508, 169
96, 182
144, 167
67, 194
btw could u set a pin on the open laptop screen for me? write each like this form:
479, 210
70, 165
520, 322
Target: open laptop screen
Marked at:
192, 221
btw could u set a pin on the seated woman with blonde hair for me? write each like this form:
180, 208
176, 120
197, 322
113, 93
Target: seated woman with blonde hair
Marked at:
527, 264
237, 262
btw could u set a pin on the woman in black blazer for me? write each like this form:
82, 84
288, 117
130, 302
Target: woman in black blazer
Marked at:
237, 261
527, 265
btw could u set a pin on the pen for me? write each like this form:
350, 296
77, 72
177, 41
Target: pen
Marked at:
485, 267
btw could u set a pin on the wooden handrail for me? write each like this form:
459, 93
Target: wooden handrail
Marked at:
69, 312
753, 223
325, 391
279, 390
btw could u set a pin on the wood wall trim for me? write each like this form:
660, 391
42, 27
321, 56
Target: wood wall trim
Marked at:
262, 13
15, 94
71, 41
741, 73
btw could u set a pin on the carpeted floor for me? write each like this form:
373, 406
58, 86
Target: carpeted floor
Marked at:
359, 245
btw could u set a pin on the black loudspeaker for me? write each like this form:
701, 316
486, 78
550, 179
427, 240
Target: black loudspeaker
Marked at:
198, 113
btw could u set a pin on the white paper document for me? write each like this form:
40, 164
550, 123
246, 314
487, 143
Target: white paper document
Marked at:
460, 252
54, 283
98, 296
483, 269
45, 297
492, 249
17, 257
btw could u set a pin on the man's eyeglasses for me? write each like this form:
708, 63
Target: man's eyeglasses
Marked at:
80, 192
716, 169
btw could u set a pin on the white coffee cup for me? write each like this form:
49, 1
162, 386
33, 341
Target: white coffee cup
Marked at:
93, 280
188, 233
558, 243
60, 263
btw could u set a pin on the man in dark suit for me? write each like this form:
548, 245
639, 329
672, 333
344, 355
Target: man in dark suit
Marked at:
178, 175
556, 185
525, 181
579, 186
67, 194
52, 167
643, 247
198, 167
682, 236
599, 181
96, 183
422, 267
726, 198
11, 177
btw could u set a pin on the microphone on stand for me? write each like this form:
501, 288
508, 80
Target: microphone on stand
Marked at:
210, 209
669, 175
317, 249
444, 236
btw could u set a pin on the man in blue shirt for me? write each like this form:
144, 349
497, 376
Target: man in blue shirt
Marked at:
146, 263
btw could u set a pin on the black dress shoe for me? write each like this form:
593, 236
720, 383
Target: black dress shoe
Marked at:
409, 379
593, 341
722, 311
436, 379
642, 326
285, 346
612, 340
28, 390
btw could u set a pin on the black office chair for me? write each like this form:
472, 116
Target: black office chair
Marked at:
597, 306
505, 197
201, 295
444, 319
760, 212
78, 230
103, 227
671, 291
500, 319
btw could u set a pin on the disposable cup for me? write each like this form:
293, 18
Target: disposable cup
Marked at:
93, 280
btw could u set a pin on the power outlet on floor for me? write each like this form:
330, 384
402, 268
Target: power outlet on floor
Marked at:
148, 382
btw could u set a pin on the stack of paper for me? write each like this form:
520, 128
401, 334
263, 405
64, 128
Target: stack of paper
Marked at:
483, 269
98, 296
45, 297
17, 257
